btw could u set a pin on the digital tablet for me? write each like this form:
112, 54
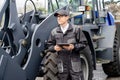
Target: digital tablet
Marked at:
63, 44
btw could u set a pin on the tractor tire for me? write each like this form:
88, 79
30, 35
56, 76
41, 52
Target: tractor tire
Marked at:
87, 64
50, 66
113, 68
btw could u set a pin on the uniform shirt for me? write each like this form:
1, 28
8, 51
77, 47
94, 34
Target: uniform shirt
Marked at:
73, 35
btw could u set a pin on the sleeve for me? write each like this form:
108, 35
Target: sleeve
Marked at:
51, 43
81, 41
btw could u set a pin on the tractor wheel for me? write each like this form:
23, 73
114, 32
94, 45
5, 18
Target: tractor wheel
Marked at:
50, 66
113, 68
87, 64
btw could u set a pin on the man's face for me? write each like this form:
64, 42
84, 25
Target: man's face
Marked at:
62, 19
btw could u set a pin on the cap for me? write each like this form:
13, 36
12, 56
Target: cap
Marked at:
61, 12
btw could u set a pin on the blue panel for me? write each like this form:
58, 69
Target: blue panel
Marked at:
110, 19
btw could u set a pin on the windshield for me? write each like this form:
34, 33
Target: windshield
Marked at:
63, 3
56, 4
75, 4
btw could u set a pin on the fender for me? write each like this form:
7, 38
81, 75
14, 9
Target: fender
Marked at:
107, 43
90, 43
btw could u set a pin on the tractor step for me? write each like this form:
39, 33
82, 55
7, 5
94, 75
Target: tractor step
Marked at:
96, 37
100, 49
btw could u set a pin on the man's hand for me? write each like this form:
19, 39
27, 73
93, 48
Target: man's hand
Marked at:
57, 48
69, 48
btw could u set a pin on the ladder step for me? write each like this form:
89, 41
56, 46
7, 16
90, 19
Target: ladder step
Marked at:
95, 37
100, 49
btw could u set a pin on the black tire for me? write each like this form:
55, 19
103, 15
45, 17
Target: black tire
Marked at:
50, 66
113, 68
87, 64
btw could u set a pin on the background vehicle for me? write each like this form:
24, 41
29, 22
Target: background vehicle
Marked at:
23, 40
101, 33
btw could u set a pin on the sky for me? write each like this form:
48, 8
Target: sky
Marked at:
20, 3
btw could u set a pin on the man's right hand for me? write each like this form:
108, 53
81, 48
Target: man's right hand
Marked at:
57, 48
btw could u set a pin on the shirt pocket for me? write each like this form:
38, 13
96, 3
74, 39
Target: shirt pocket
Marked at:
70, 35
58, 38
71, 38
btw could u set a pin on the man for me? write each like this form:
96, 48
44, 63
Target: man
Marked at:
67, 40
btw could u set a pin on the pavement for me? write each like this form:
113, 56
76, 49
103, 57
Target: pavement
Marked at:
98, 74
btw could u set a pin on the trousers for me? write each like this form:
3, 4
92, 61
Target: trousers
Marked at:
69, 66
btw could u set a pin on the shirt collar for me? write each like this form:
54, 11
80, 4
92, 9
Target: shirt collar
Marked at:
64, 29
69, 28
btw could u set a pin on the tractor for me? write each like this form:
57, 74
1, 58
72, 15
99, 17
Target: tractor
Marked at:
23, 40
